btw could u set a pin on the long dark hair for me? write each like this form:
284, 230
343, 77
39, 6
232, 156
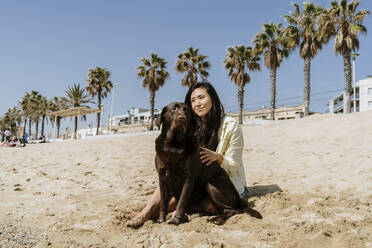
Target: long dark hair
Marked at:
207, 133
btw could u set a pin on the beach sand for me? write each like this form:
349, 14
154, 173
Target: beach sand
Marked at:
311, 179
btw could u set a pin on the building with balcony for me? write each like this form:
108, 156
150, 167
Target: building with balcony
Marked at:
281, 113
363, 98
135, 116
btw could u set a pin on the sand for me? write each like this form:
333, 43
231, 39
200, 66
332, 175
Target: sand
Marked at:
311, 179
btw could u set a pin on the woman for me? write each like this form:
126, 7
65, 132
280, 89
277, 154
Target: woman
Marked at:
220, 138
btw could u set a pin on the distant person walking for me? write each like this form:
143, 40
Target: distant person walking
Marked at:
26, 138
7, 135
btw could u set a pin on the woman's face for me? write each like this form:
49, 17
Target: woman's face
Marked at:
201, 102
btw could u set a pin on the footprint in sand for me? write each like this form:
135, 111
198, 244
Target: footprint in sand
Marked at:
17, 187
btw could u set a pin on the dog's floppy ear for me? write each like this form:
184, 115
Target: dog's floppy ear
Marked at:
159, 120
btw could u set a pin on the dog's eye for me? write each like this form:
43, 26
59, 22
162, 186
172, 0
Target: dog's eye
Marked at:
185, 109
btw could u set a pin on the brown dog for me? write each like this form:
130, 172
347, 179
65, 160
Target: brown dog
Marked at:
182, 175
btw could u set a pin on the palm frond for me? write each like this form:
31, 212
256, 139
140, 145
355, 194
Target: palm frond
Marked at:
192, 64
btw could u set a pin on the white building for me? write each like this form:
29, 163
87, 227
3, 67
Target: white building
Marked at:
133, 117
262, 116
365, 92
363, 97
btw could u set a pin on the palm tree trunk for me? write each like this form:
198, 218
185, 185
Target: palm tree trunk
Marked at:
76, 124
240, 102
24, 128
99, 113
36, 128
58, 125
194, 78
273, 92
152, 103
29, 127
42, 126
348, 88
307, 86
12, 130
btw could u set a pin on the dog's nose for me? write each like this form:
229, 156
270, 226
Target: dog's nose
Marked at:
181, 118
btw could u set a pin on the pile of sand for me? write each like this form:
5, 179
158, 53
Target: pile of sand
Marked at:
311, 179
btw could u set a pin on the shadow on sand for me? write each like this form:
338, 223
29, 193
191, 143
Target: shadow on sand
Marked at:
262, 190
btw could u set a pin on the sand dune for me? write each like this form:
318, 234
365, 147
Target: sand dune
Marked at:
311, 179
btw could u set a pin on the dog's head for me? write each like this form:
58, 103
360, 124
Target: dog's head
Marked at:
175, 118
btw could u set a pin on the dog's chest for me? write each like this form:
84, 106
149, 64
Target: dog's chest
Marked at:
172, 159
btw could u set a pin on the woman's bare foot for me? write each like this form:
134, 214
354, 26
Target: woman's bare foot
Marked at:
130, 216
174, 214
137, 221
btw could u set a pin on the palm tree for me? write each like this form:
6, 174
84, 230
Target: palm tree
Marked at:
3, 127
77, 97
25, 104
99, 85
238, 60
303, 29
29, 105
44, 106
16, 116
193, 64
154, 74
35, 98
12, 119
273, 44
56, 104
343, 21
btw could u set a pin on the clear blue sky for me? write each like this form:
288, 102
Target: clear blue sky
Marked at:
49, 45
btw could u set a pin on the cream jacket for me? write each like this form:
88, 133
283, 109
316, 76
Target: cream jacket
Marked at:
230, 146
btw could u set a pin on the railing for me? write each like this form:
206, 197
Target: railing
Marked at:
338, 106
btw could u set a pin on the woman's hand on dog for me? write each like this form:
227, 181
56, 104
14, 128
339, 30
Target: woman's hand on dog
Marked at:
207, 156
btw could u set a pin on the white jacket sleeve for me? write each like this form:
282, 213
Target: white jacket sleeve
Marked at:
233, 154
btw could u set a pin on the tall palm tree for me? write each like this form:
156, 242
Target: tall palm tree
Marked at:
346, 23
77, 97
99, 85
3, 127
238, 61
193, 64
35, 98
57, 104
16, 114
25, 104
44, 106
154, 74
272, 43
29, 107
12, 119
303, 29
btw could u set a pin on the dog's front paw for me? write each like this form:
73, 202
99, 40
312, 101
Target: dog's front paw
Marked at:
253, 213
161, 218
218, 220
173, 149
179, 151
178, 220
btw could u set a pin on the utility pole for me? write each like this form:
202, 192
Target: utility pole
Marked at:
354, 55
100, 120
112, 105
